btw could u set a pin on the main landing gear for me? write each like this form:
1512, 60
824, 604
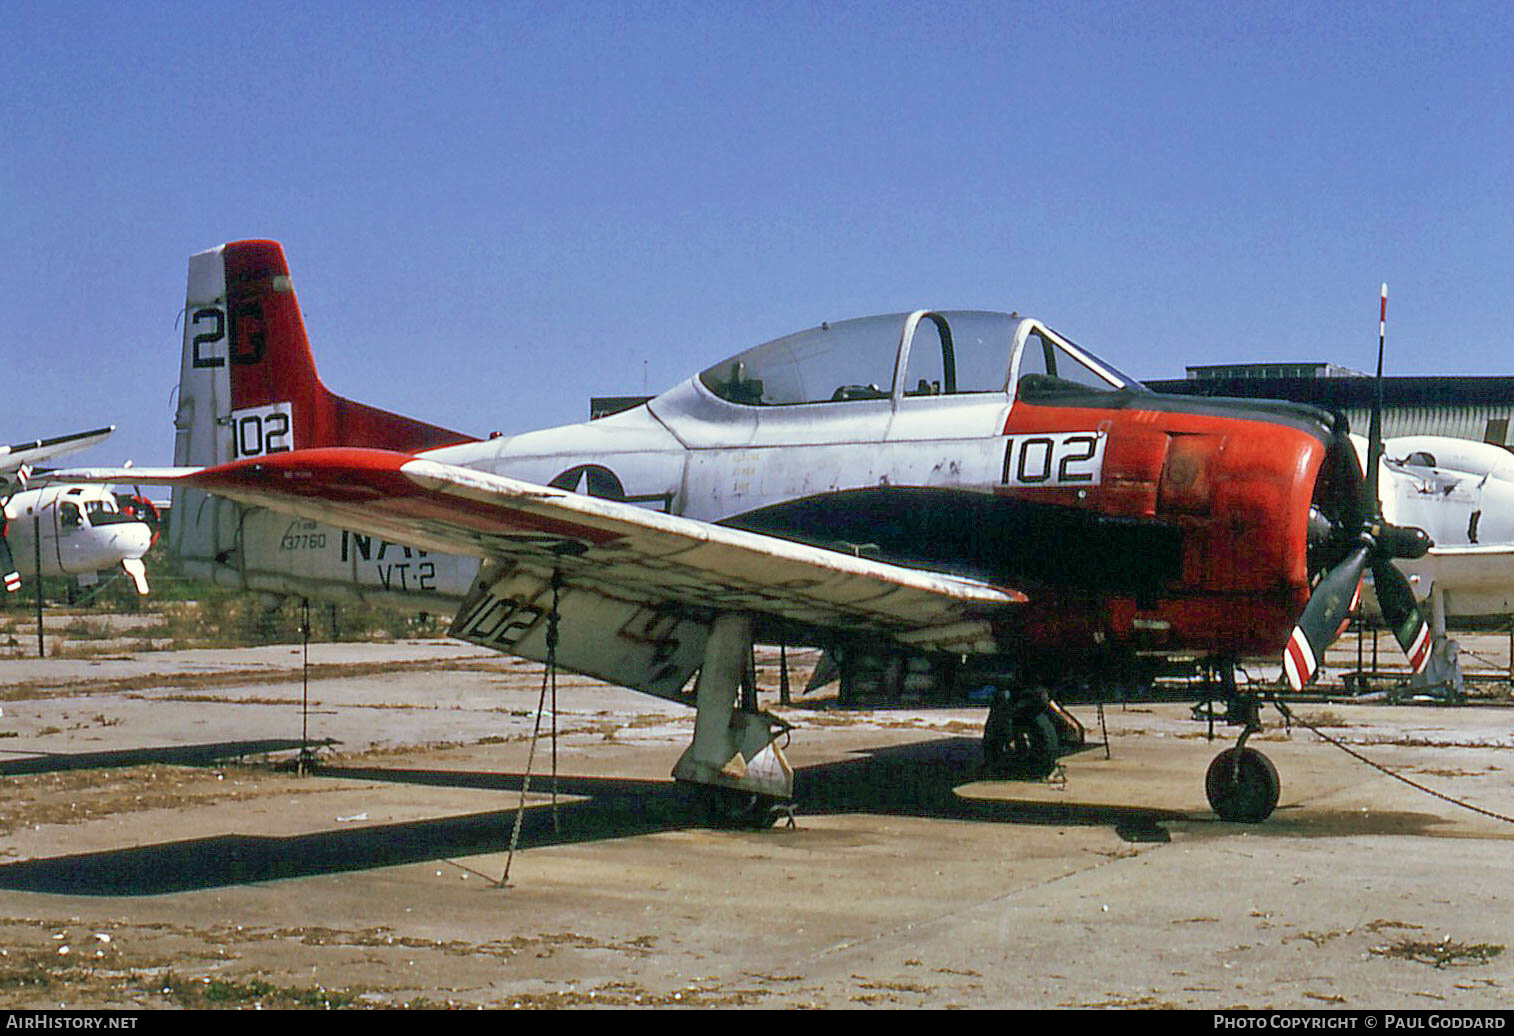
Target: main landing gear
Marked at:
740, 810
1025, 734
742, 778
1242, 784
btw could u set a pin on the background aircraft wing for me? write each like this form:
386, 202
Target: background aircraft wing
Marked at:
14, 456
638, 588
1484, 568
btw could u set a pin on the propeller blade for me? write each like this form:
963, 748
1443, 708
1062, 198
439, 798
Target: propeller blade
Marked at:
1359, 504
8, 573
1401, 612
1324, 618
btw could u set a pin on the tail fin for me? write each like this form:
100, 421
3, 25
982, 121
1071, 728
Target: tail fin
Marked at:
248, 384
248, 387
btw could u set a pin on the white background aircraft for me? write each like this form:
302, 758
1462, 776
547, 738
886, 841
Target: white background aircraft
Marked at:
1461, 492
84, 529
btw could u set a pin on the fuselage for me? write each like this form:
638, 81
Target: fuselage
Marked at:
83, 530
978, 444
1133, 520
1462, 494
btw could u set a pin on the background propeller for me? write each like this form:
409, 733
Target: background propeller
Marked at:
1372, 543
8, 571
10, 576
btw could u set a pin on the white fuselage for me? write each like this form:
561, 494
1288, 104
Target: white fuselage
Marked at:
873, 413
82, 531
1461, 493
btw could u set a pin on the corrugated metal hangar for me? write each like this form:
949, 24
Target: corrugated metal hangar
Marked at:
1463, 407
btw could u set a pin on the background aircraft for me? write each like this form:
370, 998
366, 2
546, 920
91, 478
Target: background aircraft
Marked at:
956, 499
1461, 492
84, 529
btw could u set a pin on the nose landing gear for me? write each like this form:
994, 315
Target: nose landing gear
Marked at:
1242, 784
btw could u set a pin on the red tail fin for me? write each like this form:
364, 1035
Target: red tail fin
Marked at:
270, 365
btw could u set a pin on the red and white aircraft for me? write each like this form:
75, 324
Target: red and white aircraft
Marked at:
959, 499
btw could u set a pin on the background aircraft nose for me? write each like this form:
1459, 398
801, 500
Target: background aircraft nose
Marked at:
133, 538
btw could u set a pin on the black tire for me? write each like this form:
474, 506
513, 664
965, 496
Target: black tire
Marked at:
1243, 793
1026, 750
998, 734
729, 809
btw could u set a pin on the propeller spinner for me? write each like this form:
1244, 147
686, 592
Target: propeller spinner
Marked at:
1377, 544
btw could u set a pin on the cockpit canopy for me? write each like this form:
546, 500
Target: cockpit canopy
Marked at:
901, 355
81, 507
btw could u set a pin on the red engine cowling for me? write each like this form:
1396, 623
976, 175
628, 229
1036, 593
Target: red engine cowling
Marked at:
1235, 480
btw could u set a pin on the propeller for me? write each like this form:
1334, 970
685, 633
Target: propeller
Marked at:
1374, 544
8, 571
146, 512
9, 574
142, 509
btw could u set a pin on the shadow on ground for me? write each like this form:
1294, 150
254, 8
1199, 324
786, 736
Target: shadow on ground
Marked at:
915, 780
174, 755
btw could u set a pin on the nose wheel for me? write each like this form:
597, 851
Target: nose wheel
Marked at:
1242, 784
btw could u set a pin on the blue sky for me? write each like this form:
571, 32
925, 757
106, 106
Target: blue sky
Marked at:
495, 210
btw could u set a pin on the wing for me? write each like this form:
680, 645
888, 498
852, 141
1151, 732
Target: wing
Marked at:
13, 457
641, 587
1473, 571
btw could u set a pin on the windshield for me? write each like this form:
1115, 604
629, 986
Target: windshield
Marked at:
1050, 364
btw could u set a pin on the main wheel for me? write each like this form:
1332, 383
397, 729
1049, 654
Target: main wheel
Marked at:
1025, 748
738, 810
1242, 789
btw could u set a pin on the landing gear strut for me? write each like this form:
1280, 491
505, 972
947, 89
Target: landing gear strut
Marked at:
742, 776
1242, 784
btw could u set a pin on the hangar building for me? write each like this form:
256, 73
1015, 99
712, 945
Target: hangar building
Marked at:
1462, 407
